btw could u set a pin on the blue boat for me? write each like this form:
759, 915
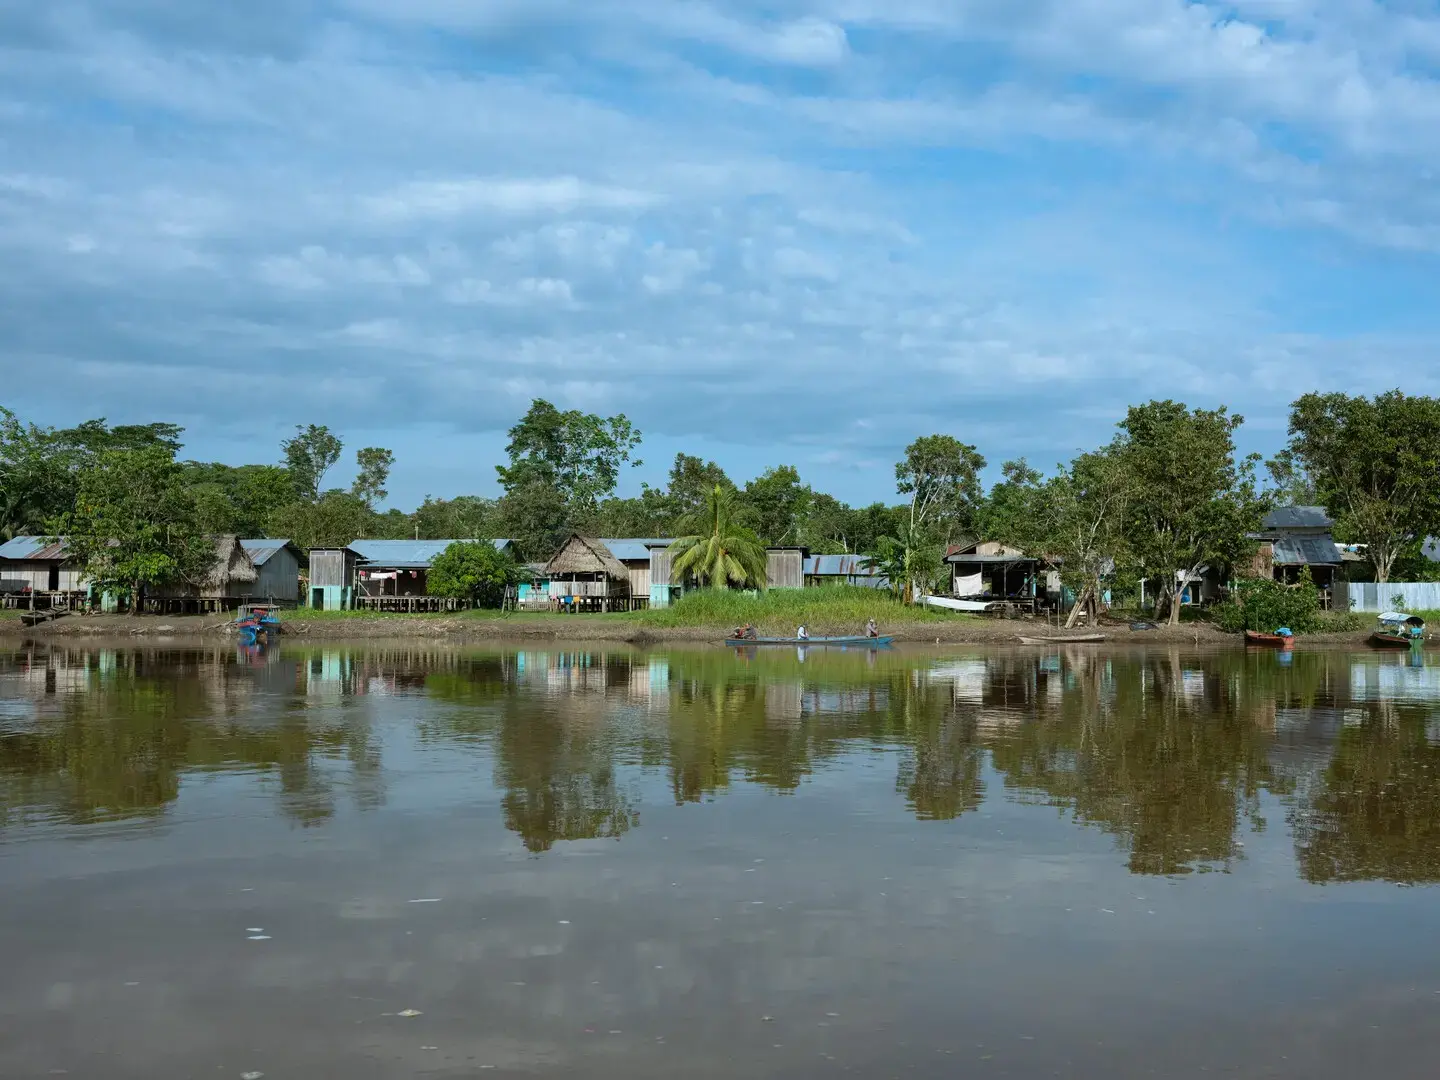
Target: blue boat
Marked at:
814, 642
254, 620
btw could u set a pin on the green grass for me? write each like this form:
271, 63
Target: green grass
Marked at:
832, 609
836, 609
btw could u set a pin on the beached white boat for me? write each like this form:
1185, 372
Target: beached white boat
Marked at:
950, 604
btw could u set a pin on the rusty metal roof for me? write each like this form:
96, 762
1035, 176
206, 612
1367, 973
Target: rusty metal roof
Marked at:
33, 549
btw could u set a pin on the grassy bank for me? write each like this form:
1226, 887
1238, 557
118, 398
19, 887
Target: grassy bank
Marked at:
839, 609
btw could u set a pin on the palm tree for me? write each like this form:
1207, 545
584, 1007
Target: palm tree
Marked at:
717, 550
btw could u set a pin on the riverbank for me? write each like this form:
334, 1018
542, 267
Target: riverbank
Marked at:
635, 627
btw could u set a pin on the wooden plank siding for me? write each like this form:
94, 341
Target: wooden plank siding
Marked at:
331, 567
660, 563
785, 568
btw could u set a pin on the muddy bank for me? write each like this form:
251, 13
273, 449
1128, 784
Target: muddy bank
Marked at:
582, 628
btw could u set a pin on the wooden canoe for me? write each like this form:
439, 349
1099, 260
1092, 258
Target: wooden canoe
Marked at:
1269, 641
1382, 640
873, 642
1075, 639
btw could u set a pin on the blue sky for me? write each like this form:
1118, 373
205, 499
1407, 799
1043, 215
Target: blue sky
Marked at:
794, 231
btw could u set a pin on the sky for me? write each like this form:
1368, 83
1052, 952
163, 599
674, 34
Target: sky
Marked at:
768, 231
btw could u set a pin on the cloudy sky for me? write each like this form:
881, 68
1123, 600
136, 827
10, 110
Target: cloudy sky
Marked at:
770, 231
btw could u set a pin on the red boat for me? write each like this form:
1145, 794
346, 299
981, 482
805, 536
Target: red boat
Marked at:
1269, 641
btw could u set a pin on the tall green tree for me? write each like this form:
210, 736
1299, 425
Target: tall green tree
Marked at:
372, 471
716, 549
133, 526
238, 499
1375, 463
333, 520
309, 455
941, 475
536, 517
578, 454
1078, 518
778, 504
1191, 502
465, 517
36, 480
691, 480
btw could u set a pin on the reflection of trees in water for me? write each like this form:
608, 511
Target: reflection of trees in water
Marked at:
1374, 811
1166, 751
131, 724
1156, 750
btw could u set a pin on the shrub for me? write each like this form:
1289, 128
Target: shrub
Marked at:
474, 571
1262, 604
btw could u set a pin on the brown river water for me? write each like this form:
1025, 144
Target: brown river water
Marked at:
395, 861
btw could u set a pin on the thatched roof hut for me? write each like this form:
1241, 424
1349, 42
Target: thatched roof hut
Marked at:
581, 556
231, 574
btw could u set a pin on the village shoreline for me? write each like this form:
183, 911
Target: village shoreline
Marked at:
298, 628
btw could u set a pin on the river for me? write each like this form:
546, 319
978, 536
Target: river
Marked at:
411, 860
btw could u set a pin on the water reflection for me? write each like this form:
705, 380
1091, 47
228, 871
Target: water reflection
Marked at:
1176, 755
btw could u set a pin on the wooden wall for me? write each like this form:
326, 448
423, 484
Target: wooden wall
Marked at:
331, 567
785, 569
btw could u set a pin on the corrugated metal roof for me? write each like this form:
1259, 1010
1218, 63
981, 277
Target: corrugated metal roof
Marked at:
407, 553
840, 566
31, 547
1298, 517
262, 549
634, 549
1306, 551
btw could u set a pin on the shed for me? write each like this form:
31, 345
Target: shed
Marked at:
844, 570
586, 573
332, 578
277, 562
785, 567
32, 564
635, 555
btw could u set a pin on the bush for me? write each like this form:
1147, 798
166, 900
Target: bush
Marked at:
1261, 604
474, 571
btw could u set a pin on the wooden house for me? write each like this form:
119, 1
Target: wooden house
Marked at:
332, 578
1293, 539
392, 571
32, 567
277, 565
988, 570
584, 575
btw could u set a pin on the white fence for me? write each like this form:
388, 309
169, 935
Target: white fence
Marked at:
1414, 596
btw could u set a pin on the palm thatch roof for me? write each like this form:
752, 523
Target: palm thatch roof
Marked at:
582, 555
232, 565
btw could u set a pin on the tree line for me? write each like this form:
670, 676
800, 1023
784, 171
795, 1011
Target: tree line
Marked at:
1167, 495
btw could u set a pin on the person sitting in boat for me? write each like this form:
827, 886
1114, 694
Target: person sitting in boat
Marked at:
739, 633
871, 630
750, 634
802, 634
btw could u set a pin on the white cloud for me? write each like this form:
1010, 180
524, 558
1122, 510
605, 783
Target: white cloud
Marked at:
455, 198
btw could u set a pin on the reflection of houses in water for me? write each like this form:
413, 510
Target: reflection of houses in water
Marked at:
332, 674
793, 700
1395, 679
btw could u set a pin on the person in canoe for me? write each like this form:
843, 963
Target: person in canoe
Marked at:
745, 633
802, 634
871, 630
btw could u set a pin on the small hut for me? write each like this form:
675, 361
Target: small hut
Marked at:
584, 575
230, 579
